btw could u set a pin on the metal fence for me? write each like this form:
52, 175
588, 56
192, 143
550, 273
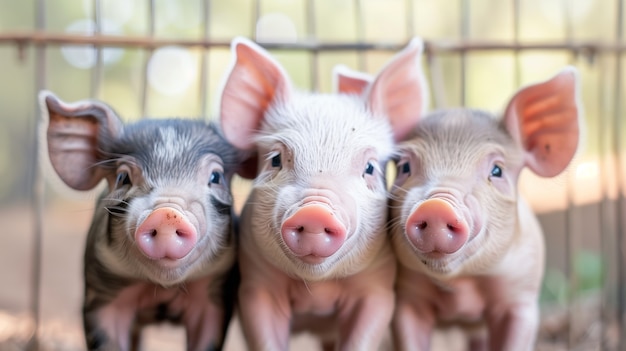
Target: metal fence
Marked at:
478, 52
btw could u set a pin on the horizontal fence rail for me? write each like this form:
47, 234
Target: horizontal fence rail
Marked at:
22, 39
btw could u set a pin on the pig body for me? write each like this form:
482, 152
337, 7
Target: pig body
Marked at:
160, 246
470, 250
313, 250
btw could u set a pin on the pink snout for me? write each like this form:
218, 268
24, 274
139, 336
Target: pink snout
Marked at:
313, 232
435, 227
166, 233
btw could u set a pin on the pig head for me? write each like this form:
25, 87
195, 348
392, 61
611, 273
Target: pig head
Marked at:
313, 243
470, 249
160, 245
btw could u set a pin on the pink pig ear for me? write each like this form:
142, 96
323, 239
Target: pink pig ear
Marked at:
255, 81
347, 81
399, 91
544, 120
73, 134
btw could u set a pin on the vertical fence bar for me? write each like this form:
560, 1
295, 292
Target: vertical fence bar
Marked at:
97, 72
607, 231
360, 33
204, 62
465, 19
516, 53
410, 19
255, 17
620, 253
38, 186
570, 240
149, 51
311, 31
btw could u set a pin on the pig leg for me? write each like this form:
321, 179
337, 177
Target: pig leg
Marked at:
414, 317
203, 315
263, 305
203, 333
364, 327
412, 326
515, 329
478, 340
108, 328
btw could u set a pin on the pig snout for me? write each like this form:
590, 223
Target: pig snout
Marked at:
436, 227
313, 232
166, 233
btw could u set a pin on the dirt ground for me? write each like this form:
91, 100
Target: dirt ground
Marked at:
64, 227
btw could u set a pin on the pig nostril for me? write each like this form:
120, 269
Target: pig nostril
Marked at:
422, 225
451, 227
153, 233
329, 231
300, 229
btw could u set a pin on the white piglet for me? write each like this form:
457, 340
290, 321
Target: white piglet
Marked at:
314, 254
470, 249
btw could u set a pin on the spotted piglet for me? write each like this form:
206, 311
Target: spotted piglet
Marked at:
160, 246
314, 252
470, 249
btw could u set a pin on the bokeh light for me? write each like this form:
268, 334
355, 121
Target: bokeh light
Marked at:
171, 70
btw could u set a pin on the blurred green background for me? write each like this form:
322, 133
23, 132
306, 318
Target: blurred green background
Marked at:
577, 208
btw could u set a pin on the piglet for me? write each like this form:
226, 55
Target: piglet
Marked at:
314, 253
470, 250
160, 246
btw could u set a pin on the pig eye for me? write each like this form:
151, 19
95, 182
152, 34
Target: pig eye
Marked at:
276, 161
216, 177
404, 168
122, 179
369, 168
496, 171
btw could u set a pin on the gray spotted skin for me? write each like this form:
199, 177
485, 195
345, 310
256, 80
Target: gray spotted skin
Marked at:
178, 165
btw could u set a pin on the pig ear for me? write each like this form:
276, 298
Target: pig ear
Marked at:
347, 81
72, 134
399, 91
255, 81
544, 120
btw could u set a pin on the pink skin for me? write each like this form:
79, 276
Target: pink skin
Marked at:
488, 265
436, 227
481, 267
314, 255
166, 234
313, 232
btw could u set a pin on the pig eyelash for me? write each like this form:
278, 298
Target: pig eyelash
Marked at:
119, 207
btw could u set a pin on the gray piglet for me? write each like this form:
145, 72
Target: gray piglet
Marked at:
160, 246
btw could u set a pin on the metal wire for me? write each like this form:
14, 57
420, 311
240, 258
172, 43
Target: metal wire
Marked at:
38, 189
204, 61
619, 220
576, 47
